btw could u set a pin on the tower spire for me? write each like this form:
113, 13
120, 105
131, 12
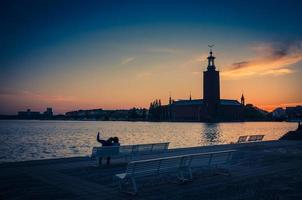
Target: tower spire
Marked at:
211, 58
211, 46
242, 99
190, 96
211, 87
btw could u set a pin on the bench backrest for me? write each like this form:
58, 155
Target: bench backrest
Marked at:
142, 148
242, 139
130, 149
107, 151
153, 166
160, 146
221, 158
254, 138
174, 163
146, 148
211, 158
126, 149
251, 138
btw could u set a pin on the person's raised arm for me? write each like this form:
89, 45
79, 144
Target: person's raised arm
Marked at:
98, 137
103, 142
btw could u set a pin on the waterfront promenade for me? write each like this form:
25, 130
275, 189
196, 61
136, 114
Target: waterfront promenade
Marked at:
264, 170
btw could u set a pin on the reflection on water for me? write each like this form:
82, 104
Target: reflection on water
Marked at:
29, 140
210, 132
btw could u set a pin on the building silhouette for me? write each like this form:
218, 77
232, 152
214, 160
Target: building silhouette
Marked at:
48, 114
211, 88
28, 114
210, 108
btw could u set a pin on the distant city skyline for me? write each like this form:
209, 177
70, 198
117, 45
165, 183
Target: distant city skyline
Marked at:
117, 55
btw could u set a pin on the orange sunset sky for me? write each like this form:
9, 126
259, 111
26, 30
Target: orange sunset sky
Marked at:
123, 55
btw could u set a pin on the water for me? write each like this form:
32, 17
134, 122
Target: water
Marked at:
32, 140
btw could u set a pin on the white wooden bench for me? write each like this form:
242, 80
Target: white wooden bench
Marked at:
179, 165
255, 138
128, 151
250, 138
242, 139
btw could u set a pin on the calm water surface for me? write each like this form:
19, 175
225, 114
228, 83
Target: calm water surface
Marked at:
32, 140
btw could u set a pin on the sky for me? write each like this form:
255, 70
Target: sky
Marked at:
72, 54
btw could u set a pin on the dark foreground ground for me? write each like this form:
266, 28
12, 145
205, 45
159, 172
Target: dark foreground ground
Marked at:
293, 135
266, 170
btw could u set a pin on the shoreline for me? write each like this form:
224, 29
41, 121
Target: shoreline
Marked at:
145, 121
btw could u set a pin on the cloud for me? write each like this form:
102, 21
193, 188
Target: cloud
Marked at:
278, 72
127, 60
276, 59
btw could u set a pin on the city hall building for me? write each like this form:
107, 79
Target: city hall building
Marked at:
210, 108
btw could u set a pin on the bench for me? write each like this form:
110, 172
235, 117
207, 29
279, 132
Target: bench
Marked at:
128, 151
179, 165
251, 138
255, 138
242, 139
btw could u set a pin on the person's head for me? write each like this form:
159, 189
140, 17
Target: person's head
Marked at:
110, 140
115, 140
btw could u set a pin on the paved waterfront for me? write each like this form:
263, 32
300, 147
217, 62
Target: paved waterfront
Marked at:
266, 170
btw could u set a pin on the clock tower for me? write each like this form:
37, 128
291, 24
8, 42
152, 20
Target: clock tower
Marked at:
211, 87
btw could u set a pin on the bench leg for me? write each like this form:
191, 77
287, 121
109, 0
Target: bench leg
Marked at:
181, 175
189, 174
122, 185
97, 159
134, 185
121, 182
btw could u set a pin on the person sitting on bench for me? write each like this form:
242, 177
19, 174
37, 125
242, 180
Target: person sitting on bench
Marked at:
105, 143
116, 141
